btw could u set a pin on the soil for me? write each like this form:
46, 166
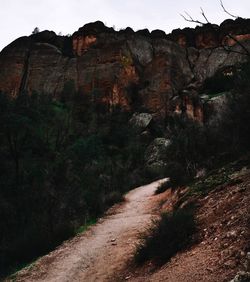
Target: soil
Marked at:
223, 239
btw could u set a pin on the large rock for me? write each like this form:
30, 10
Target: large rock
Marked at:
209, 61
242, 276
210, 36
216, 107
133, 71
141, 50
140, 121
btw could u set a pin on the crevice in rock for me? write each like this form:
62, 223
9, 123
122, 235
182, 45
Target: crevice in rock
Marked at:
23, 84
191, 66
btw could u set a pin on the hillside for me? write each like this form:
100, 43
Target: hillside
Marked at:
218, 252
220, 248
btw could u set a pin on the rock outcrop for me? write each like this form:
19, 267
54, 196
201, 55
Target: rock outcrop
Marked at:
136, 71
212, 36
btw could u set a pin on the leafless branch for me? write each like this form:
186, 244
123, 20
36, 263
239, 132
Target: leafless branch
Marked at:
204, 15
225, 10
187, 17
239, 43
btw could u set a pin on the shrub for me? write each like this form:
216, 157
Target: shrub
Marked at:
163, 187
171, 234
188, 148
177, 173
113, 197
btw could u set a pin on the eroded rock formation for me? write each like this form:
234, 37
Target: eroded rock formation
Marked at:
137, 71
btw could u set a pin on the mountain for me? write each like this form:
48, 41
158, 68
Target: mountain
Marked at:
137, 71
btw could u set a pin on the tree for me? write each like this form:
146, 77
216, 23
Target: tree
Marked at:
36, 30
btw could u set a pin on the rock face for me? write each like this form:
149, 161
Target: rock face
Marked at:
210, 36
136, 71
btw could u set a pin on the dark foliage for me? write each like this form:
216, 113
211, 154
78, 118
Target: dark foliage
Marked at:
235, 126
61, 166
163, 187
172, 233
188, 149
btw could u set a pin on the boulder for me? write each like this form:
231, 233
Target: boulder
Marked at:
141, 50
241, 276
216, 107
140, 121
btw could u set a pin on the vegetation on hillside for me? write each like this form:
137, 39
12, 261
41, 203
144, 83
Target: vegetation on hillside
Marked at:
172, 233
194, 146
63, 163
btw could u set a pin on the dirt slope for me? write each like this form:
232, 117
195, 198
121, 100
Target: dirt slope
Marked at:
223, 222
104, 249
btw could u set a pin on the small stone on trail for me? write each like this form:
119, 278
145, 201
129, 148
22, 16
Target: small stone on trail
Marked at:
232, 234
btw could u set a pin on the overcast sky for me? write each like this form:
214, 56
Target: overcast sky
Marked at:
20, 17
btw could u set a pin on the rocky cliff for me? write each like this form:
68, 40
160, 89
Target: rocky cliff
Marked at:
136, 71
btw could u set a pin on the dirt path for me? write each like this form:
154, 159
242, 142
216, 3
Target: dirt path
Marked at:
103, 250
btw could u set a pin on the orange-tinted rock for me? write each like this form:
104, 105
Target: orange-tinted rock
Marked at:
126, 69
12, 62
230, 41
194, 111
206, 39
82, 43
211, 36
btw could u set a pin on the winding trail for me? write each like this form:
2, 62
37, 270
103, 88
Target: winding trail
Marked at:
101, 252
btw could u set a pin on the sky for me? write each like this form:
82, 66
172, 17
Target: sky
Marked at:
20, 17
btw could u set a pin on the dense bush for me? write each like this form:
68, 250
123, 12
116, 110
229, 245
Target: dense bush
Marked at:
172, 233
61, 166
188, 149
235, 126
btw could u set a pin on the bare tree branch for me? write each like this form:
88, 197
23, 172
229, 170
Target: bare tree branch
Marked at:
239, 43
224, 9
204, 16
187, 17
